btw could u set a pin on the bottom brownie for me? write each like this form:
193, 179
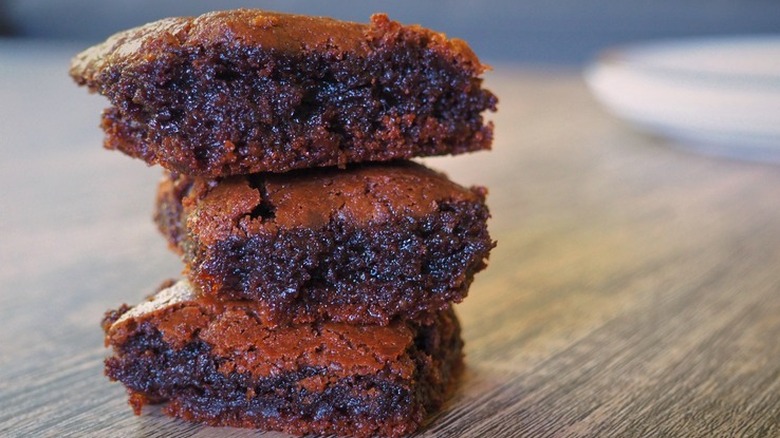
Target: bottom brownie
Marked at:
218, 363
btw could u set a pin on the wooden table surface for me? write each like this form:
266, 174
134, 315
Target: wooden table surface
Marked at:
635, 289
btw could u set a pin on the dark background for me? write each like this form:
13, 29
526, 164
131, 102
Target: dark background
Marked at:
541, 32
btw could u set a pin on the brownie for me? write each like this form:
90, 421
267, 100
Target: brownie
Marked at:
364, 244
246, 91
216, 362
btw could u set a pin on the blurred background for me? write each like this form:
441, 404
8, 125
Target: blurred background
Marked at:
544, 32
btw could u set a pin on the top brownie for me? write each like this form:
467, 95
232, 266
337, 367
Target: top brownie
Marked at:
246, 91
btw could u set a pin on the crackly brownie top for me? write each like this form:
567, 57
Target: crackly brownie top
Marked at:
285, 33
238, 336
361, 194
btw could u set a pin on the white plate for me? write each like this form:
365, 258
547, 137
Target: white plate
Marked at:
720, 95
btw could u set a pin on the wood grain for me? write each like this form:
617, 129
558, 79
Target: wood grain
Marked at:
635, 290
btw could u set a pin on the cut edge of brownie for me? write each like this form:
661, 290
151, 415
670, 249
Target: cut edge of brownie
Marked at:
409, 260
165, 352
202, 102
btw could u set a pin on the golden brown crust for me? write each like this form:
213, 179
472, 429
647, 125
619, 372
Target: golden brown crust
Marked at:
362, 195
255, 28
246, 344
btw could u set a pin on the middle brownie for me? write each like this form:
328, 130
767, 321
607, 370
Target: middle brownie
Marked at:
361, 245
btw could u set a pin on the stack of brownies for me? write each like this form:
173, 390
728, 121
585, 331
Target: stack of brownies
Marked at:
320, 266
